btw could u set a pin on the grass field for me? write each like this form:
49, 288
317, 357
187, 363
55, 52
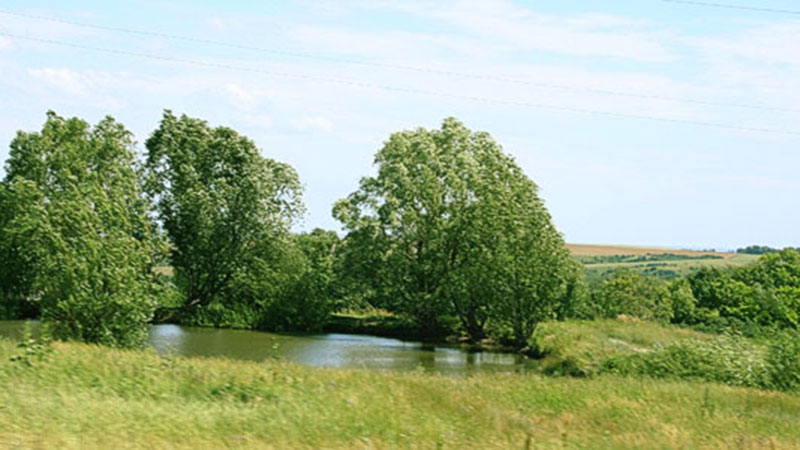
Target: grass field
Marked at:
594, 250
667, 269
90, 397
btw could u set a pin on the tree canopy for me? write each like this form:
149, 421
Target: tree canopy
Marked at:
225, 208
76, 239
452, 226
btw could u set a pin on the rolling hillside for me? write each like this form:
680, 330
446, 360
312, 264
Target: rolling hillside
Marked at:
602, 260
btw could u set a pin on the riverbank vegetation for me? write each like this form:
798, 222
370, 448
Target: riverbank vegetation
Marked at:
450, 233
84, 396
448, 239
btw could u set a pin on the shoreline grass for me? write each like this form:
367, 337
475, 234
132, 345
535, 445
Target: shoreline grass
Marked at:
84, 396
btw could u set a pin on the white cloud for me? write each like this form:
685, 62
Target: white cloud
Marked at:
400, 45
246, 98
759, 64
521, 28
98, 89
66, 80
240, 96
258, 120
223, 24
777, 43
317, 123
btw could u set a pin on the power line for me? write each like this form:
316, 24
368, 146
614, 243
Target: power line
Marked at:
739, 7
450, 73
363, 85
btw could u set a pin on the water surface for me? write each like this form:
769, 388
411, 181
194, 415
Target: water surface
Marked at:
320, 350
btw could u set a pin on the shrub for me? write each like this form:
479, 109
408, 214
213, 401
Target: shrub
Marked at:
730, 360
783, 362
684, 305
628, 292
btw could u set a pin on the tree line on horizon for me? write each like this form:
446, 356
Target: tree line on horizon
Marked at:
449, 233
762, 249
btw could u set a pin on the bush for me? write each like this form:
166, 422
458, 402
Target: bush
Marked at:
684, 305
730, 360
630, 293
764, 294
783, 362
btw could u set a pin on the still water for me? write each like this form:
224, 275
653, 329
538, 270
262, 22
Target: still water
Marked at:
321, 350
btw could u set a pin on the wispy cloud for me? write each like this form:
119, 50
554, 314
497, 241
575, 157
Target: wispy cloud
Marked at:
521, 28
67, 80
309, 123
224, 24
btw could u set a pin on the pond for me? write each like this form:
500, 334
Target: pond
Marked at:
320, 350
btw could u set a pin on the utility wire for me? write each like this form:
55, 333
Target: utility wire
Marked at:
474, 76
364, 85
739, 7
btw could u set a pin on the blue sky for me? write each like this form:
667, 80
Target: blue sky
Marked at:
606, 179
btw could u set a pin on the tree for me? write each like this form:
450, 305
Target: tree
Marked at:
766, 293
76, 237
310, 299
631, 293
17, 266
757, 250
225, 208
684, 305
577, 302
451, 225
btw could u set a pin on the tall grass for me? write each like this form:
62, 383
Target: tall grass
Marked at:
726, 359
579, 348
82, 396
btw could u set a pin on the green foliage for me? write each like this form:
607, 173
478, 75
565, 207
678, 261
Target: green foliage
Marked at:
577, 301
766, 293
75, 399
17, 266
310, 297
636, 348
32, 349
605, 259
227, 211
684, 305
289, 287
580, 347
76, 234
451, 226
729, 360
633, 294
783, 359
757, 250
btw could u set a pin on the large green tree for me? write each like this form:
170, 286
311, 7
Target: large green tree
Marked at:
308, 300
76, 239
451, 225
766, 292
225, 208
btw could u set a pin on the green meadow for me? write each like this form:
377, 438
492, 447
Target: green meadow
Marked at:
86, 396
667, 268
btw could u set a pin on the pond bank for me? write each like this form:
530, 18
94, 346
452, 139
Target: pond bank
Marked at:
391, 326
78, 396
338, 350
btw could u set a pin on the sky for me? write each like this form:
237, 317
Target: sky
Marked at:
644, 122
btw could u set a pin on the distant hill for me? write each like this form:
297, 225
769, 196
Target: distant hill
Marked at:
602, 250
601, 261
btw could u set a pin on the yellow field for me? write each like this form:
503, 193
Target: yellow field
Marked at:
663, 263
604, 250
